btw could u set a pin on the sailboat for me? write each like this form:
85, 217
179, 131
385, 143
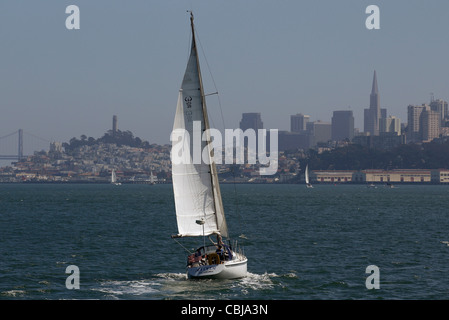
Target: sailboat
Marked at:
198, 202
308, 184
114, 178
152, 178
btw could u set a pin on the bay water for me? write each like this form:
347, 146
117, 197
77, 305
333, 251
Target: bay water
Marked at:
301, 244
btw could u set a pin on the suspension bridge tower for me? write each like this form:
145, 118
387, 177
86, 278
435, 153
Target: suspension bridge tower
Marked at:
20, 153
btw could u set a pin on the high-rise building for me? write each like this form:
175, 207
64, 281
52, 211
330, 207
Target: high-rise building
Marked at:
342, 125
440, 106
298, 122
390, 124
288, 140
414, 122
430, 125
251, 121
319, 131
373, 114
424, 124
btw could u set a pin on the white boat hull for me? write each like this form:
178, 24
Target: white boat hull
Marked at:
229, 270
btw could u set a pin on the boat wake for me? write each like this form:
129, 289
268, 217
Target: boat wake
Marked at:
256, 282
176, 286
13, 293
127, 289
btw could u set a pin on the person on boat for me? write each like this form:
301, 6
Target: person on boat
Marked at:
219, 240
195, 258
199, 257
220, 252
228, 253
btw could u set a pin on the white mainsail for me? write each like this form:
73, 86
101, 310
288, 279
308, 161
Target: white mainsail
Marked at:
113, 176
307, 174
195, 183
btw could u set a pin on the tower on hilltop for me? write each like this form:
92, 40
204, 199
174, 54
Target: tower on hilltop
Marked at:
114, 125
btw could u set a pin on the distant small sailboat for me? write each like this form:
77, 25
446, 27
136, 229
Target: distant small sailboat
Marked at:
198, 202
308, 184
152, 178
114, 178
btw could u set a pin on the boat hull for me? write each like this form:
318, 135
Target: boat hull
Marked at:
229, 270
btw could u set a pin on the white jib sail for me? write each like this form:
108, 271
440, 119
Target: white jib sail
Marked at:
196, 195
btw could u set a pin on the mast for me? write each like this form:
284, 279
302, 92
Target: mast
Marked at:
216, 193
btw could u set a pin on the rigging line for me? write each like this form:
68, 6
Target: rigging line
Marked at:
8, 135
212, 241
182, 246
237, 207
212, 77
33, 135
222, 119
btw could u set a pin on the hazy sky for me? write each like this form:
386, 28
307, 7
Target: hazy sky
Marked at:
276, 57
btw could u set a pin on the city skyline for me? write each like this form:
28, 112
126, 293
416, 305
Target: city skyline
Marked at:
427, 123
426, 120
127, 60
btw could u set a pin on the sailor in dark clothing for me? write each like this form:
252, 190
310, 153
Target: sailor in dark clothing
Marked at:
220, 252
228, 253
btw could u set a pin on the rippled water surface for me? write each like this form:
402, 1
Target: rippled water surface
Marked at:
301, 243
